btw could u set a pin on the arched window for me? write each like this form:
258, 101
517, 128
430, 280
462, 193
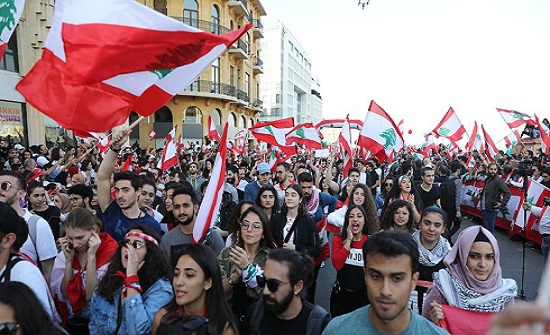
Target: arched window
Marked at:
250, 122
193, 115
216, 117
191, 13
232, 120
243, 122
163, 114
215, 20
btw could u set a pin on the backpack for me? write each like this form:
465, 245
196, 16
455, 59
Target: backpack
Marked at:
448, 194
226, 208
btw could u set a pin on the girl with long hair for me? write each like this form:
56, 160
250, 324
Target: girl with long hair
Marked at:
385, 191
360, 195
241, 262
199, 296
233, 226
135, 287
38, 204
398, 216
404, 189
268, 200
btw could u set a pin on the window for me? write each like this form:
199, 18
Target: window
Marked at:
232, 120
250, 123
243, 122
216, 76
232, 75
164, 114
10, 62
247, 82
238, 79
193, 115
216, 117
191, 13
215, 20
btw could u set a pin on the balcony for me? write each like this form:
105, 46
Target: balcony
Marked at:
203, 25
209, 88
258, 29
238, 7
243, 96
257, 65
239, 49
258, 104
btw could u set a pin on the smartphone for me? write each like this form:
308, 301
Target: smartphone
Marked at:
70, 247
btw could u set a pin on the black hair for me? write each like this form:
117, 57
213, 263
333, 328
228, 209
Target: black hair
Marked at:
285, 165
301, 209
148, 181
81, 190
392, 244
131, 176
233, 168
16, 175
267, 239
233, 222
172, 185
353, 169
186, 190
147, 174
305, 177
268, 188
436, 210
387, 219
300, 266
425, 169
344, 232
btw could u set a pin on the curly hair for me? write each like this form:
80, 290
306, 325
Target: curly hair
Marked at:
372, 223
156, 266
387, 220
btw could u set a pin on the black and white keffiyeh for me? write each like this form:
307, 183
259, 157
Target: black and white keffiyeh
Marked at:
434, 256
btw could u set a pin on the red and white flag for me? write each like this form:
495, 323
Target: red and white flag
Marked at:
491, 150
104, 143
127, 166
450, 127
207, 215
273, 132
306, 134
544, 137
170, 153
171, 135
430, 145
180, 144
10, 12
152, 135
475, 142
513, 138
345, 142
401, 126
66, 90
339, 123
380, 134
212, 131
515, 119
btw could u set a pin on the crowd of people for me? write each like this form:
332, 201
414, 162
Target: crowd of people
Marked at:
104, 243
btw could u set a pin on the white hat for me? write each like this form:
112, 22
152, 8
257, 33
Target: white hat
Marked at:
41, 161
19, 147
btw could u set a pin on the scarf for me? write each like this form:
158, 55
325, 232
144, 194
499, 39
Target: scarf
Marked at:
75, 291
66, 203
434, 256
458, 295
313, 203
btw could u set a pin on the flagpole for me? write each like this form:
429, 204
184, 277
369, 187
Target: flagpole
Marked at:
136, 122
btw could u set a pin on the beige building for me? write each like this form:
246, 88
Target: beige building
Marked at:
228, 91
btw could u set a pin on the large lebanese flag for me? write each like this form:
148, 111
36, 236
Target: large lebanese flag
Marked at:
536, 192
10, 12
51, 87
515, 119
475, 142
450, 127
491, 148
345, 142
273, 132
306, 134
380, 134
458, 321
208, 212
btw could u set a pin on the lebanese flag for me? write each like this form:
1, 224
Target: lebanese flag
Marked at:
513, 138
306, 134
170, 153
171, 135
152, 135
273, 132
127, 166
401, 126
515, 119
103, 144
490, 145
212, 131
56, 90
345, 142
207, 215
536, 192
544, 137
475, 142
458, 321
180, 144
429, 145
323, 236
381, 136
450, 127
339, 123
10, 12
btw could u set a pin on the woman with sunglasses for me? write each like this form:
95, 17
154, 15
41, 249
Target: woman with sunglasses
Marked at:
405, 190
199, 300
83, 260
360, 195
135, 287
349, 291
241, 262
398, 216
21, 312
234, 225
384, 194
268, 200
38, 204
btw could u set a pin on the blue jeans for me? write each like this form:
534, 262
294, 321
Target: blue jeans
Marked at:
545, 247
489, 218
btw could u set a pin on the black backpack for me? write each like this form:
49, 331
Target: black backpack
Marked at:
448, 194
226, 208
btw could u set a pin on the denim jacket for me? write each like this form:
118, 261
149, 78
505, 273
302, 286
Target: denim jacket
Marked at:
137, 314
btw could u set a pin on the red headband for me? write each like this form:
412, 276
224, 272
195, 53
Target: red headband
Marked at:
143, 236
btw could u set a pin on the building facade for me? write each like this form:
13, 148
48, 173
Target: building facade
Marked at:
288, 87
228, 91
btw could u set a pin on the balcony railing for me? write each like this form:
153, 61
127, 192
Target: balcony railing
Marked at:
259, 104
258, 29
207, 86
203, 25
258, 62
243, 96
239, 7
239, 48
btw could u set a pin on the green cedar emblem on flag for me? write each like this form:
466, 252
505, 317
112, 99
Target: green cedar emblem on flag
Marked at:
7, 15
300, 133
478, 137
162, 73
390, 136
444, 131
268, 128
518, 115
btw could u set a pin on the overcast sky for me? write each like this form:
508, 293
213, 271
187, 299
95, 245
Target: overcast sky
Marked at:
418, 58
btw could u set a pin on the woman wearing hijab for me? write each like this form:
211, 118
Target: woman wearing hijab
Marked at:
473, 278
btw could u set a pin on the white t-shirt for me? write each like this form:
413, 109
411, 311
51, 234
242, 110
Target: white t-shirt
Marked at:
286, 229
45, 243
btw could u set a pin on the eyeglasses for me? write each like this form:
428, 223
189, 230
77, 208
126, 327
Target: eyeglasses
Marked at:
136, 244
6, 185
8, 328
188, 322
388, 184
272, 284
255, 226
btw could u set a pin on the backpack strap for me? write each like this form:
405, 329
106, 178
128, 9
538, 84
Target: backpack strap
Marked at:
318, 319
12, 260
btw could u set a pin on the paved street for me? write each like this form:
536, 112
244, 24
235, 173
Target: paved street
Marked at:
510, 258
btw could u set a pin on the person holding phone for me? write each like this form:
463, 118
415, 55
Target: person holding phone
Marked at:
242, 262
83, 260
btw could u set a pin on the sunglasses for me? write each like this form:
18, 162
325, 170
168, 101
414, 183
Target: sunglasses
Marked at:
135, 244
388, 184
8, 328
272, 285
6, 185
188, 322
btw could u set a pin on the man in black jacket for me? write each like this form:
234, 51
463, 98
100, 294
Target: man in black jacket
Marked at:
495, 195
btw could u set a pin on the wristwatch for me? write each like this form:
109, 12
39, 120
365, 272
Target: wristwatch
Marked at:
114, 149
232, 283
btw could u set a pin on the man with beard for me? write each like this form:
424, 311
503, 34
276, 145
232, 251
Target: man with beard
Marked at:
391, 259
283, 178
185, 207
195, 179
118, 216
81, 196
494, 196
282, 310
314, 199
231, 182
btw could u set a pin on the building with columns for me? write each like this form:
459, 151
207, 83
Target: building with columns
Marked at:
228, 90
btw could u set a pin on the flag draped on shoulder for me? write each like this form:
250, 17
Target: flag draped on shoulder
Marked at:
212, 131
491, 148
306, 134
273, 132
213, 195
380, 134
10, 12
450, 127
89, 77
515, 119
